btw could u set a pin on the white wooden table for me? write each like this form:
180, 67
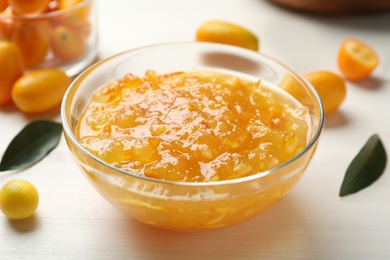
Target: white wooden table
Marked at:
312, 222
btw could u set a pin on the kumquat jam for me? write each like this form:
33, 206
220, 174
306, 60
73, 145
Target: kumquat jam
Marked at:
193, 126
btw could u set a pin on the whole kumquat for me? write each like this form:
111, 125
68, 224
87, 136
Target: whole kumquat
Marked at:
3, 5
294, 87
356, 60
84, 29
28, 7
7, 24
19, 199
63, 4
52, 6
76, 16
68, 44
40, 90
33, 39
11, 68
227, 33
6, 28
331, 88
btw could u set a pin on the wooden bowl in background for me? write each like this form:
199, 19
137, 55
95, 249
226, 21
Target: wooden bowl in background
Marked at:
336, 6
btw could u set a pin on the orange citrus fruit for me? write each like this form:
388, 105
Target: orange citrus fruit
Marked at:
356, 60
330, 87
6, 28
33, 39
295, 88
11, 68
40, 90
68, 44
19, 199
63, 4
227, 33
79, 14
3, 5
28, 7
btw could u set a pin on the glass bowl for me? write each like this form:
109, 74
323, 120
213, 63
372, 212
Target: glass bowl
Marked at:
187, 206
65, 39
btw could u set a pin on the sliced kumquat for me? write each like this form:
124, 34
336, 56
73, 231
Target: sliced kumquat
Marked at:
356, 60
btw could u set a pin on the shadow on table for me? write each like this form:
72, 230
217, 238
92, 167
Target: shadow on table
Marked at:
275, 232
25, 225
371, 83
336, 120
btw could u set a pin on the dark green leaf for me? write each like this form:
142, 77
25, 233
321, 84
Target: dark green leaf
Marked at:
365, 168
36, 140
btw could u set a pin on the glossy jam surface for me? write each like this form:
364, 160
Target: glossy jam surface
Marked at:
194, 126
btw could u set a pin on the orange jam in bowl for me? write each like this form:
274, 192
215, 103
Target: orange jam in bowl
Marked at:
192, 126
190, 149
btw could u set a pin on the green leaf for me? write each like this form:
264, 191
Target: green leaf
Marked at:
365, 168
36, 140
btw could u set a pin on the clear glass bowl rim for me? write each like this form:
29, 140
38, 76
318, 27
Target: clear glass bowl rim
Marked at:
67, 129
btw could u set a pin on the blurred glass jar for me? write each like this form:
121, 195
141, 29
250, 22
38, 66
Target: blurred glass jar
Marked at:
57, 38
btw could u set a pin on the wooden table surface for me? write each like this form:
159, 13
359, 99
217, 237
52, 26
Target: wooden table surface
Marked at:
312, 222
